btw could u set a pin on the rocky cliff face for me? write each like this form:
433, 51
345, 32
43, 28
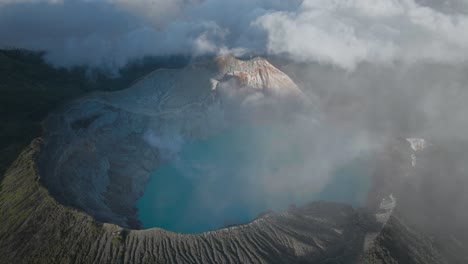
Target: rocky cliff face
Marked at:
69, 198
38, 229
99, 152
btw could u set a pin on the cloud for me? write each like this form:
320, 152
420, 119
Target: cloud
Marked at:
111, 32
343, 33
157, 12
168, 142
350, 47
348, 32
6, 2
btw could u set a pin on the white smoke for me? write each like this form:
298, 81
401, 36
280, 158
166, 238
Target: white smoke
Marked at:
338, 32
168, 143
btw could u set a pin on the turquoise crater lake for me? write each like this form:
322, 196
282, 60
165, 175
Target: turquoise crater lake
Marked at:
234, 176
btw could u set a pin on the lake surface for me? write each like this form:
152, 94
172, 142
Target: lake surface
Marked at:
236, 175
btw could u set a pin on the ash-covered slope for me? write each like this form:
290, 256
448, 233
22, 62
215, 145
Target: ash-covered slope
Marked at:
38, 229
69, 198
98, 150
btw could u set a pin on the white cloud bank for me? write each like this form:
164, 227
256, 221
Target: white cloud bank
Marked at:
347, 32
339, 32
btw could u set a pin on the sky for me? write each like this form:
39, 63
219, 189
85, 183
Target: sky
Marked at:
342, 33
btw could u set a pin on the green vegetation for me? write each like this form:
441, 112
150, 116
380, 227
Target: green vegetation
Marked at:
30, 89
30, 217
